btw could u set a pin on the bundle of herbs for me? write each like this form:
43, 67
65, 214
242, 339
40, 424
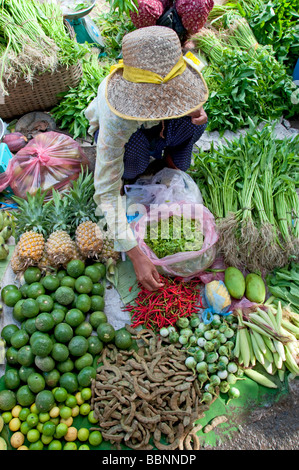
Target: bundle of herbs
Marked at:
249, 184
33, 40
244, 78
69, 112
174, 235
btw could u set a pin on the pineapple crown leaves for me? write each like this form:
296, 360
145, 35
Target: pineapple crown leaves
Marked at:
56, 216
31, 213
80, 203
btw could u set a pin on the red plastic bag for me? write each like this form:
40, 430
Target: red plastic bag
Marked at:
50, 160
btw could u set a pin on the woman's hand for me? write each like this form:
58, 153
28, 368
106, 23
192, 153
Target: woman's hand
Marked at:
145, 270
199, 117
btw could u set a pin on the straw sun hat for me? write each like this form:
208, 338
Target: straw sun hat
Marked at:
137, 89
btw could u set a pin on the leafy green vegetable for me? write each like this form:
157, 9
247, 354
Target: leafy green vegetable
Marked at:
70, 110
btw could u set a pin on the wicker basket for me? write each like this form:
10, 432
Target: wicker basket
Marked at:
41, 95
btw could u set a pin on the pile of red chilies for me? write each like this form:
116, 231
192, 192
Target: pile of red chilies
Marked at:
165, 306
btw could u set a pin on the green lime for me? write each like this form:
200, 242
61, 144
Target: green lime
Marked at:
44, 363
106, 332
60, 352
52, 378
25, 371
102, 268
84, 361
43, 417
24, 428
23, 289
84, 409
61, 273
61, 430
65, 412
11, 297
44, 322
25, 356
42, 345
98, 289
49, 428
32, 420
30, 308
83, 434
71, 401
12, 379
58, 315
84, 329
24, 413
95, 438
75, 268
50, 282
60, 307
91, 417
8, 288
55, 445
86, 375
83, 285
36, 382
93, 272
11, 356
25, 397
60, 394
69, 381
96, 318
6, 416
78, 346
70, 446
8, 331
123, 339
83, 447
97, 303
66, 366
33, 435
95, 345
32, 274
83, 303
35, 290
68, 281
19, 339
74, 317
63, 332
46, 439
17, 311
45, 303
38, 445
44, 401
29, 325
64, 295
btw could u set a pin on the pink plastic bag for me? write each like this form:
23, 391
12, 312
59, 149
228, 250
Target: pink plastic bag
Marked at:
50, 160
185, 264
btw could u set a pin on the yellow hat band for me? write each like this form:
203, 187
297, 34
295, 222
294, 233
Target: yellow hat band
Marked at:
136, 75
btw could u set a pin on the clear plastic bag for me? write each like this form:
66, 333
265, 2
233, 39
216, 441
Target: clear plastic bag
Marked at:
187, 264
166, 186
50, 160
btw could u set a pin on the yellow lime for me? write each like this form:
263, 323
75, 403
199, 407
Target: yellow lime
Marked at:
79, 398
70, 446
84, 409
16, 411
71, 434
46, 439
14, 424
69, 421
75, 411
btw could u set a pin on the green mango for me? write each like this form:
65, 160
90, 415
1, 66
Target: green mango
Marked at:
255, 288
235, 282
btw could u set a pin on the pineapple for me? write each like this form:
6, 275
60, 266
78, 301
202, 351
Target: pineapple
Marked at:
81, 216
45, 264
108, 253
59, 245
17, 265
31, 247
30, 230
89, 239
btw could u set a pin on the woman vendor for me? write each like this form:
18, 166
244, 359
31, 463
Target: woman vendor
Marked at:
150, 106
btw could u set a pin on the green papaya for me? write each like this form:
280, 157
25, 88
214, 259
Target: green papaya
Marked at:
255, 288
235, 282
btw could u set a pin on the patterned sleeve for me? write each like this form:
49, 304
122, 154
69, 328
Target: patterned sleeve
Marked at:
114, 133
